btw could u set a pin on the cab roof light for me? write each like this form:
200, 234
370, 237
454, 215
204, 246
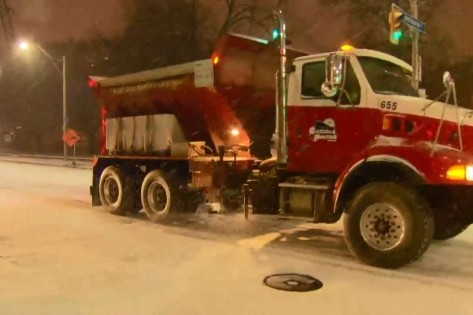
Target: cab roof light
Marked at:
347, 47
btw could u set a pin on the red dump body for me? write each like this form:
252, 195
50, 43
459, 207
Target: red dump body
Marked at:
234, 89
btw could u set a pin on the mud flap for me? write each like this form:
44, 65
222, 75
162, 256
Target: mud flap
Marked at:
94, 193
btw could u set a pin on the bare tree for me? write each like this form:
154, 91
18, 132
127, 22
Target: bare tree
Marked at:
6, 19
251, 12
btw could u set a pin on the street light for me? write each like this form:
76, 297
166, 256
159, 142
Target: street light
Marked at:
24, 45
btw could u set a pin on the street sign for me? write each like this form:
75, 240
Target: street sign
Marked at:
70, 138
411, 21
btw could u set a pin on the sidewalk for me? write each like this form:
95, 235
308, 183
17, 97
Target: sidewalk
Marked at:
82, 163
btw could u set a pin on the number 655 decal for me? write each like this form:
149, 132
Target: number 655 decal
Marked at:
388, 105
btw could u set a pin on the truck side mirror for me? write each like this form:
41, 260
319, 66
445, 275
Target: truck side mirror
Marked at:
447, 79
334, 74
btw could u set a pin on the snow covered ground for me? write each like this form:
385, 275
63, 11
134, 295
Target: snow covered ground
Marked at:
58, 255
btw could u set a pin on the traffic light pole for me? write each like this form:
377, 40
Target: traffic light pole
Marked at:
415, 48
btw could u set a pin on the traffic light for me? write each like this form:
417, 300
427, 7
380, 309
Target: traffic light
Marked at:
395, 18
276, 33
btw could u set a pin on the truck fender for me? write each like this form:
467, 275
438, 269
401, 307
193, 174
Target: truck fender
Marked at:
397, 165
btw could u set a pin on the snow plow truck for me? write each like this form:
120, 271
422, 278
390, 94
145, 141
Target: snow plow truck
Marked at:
271, 130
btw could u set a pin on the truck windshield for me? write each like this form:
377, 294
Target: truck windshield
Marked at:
386, 77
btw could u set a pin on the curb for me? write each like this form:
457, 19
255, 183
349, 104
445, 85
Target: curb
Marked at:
20, 159
38, 156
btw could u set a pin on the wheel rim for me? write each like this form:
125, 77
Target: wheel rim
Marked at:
158, 198
382, 226
111, 190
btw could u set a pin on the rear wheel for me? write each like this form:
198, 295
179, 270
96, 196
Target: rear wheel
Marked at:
158, 196
115, 191
388, 225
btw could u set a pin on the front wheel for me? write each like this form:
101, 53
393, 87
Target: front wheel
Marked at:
388, 225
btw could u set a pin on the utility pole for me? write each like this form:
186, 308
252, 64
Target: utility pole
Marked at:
64, 104
416, 64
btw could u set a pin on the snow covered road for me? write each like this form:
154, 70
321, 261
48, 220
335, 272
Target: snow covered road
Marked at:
58, 255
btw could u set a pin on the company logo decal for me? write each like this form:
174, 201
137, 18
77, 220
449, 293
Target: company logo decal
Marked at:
323, 130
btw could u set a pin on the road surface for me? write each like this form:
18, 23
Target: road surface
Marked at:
58, 255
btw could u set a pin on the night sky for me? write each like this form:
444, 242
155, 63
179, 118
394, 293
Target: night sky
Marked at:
58, 20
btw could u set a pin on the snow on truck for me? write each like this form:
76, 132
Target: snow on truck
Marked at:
349, 135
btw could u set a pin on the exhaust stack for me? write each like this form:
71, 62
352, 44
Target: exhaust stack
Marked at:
281, 104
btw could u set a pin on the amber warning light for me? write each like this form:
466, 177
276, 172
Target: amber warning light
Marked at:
460, 172
235, 132
216, 60
347, 47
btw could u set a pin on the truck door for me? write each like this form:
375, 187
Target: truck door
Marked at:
324, 137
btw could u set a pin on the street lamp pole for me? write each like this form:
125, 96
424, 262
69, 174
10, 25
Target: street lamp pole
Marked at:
24, 46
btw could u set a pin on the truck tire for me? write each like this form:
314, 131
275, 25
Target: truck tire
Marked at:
388, 225
114, 191
158, 196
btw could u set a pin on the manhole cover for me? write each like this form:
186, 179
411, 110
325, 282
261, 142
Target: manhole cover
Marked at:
293, 282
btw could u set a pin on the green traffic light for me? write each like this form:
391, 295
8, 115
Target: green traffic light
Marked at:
397, 35
275, 34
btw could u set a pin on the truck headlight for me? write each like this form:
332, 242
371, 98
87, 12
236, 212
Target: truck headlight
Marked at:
469, 173
460, 172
